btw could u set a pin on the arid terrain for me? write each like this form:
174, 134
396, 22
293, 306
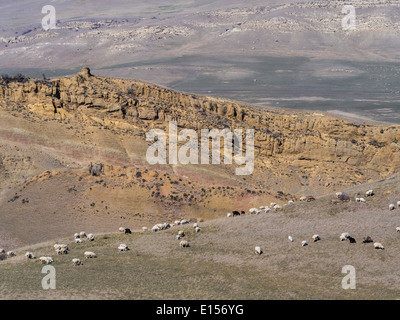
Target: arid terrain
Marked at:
324, 106
53, 129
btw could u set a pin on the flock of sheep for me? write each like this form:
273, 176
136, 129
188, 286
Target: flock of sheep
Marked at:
62, 249
341, 197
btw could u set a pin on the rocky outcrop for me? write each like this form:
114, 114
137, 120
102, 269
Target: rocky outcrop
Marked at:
308, 148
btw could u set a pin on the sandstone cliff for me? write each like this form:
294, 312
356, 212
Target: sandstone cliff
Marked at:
295, 151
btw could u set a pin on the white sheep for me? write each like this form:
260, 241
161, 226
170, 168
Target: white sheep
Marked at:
184, 244
121, 229
272, 204
392, 206
177, 222
267, 209
344, 236
229, 214
290, 202
290, 238
76, 262
369, 193
303, 198
316, 237
77, 236
277, 207
78, 241
178, 237
90, 236
123, 247
304, 243
195, 225
82, 234
89, 255
197, 229
155, 228
398, 204
62, 250
144, 229
258, 250
398, 229
46, 260
254, 211
184, 221
181, 233
30, 255
378, 245
362, 200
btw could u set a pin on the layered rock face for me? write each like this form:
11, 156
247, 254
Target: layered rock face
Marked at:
294, 150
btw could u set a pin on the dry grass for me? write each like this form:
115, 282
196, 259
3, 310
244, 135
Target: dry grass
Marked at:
221, 264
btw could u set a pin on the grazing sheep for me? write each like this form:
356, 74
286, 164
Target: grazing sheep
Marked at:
123, 247
378, 245
46, 260
30, 255
277, 207
392, 206
267, 209
77, 236
82, 234
369, 193
181, 233
78, 241
368, 239
272, 204
144, 229
304, 243
303, 198
184, 221
290, 238
229, 215
290, 202
316, 238
90, 255
398, 204
61, 247
121, 229
197, 229
339, 194
254, 211
76, 262
163, 226
2, 251
184, 244
362, 200
177, 222
195, 225
155, 228
178, 237
90, 236
258, 250
235, 213
398, 229
352, 240
344, 236
62, 250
